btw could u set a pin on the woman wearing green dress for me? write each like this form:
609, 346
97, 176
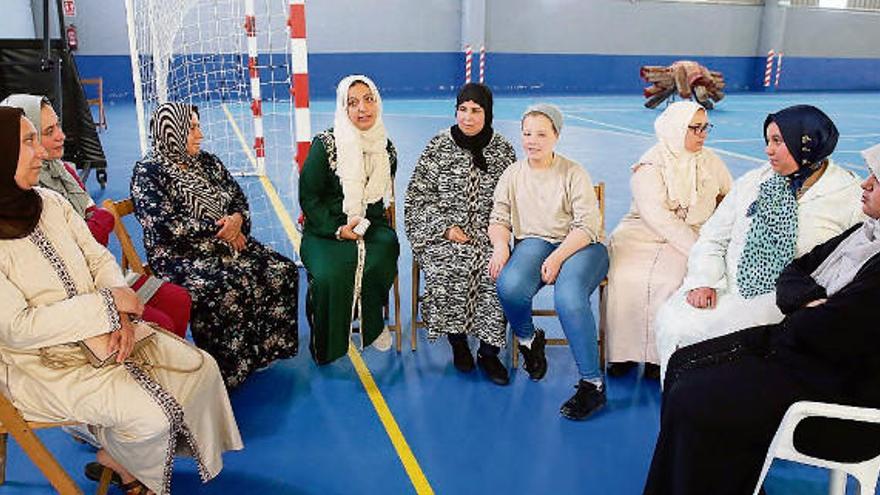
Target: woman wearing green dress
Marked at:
349, 249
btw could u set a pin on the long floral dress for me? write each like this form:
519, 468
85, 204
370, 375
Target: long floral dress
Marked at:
447, 189
244, 304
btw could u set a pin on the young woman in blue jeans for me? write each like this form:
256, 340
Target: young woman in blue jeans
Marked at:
548, 203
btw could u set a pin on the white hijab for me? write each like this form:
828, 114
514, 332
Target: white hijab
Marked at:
844, 263
362, 163
677, 165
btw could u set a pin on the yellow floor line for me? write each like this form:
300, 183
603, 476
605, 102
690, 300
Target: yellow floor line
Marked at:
410, 464
271, 192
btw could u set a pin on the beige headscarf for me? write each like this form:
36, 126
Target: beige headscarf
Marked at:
844, 263
362, 163
677, 165
872, 158
53, 174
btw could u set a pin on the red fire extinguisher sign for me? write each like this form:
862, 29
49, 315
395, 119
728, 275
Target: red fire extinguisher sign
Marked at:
72, 41
69, 7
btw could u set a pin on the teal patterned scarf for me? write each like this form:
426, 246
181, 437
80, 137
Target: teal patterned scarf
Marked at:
770, 242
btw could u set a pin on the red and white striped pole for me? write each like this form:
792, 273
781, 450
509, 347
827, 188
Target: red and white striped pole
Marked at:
299, 79
468, 60
250, 27
768, 70
778, 69
482, 63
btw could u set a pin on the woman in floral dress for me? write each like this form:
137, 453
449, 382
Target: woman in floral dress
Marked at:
196, 225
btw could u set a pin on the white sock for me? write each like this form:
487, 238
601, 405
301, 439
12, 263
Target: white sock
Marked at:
597, 382
527, 342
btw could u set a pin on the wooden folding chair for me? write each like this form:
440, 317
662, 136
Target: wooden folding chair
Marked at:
12, 423
599, 188
98, 101
130, 260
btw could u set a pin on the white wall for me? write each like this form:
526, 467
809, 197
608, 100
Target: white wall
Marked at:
17, 20
622, 27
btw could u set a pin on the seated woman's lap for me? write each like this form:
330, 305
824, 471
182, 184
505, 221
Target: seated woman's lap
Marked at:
583, 271
579, 275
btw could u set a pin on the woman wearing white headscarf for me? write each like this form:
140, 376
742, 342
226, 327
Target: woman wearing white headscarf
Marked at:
676, 186
348, 246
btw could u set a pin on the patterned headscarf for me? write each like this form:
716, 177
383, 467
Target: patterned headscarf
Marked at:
809, 135
363, 166
54, 174
677, 165
169, 129
771, 239
19, 209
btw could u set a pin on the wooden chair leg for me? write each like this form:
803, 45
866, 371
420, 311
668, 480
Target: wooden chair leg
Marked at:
514, 351
35, 450
3, 439
601, 328
397, 325
414, 306
104, 482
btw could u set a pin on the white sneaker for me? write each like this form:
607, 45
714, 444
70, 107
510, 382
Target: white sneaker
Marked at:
383, 341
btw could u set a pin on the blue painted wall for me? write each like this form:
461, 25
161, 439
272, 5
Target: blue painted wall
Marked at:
429, 74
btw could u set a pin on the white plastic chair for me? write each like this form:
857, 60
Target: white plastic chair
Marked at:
782, 447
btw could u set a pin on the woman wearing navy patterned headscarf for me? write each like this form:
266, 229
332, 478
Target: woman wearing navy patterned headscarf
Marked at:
774, 213
197, 224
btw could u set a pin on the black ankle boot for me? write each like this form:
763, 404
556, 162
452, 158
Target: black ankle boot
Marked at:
652, 371
586, 400
534, 360
620, 368
492, 367
461, 355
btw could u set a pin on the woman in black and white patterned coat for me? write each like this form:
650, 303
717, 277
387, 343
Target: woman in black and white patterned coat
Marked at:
446, 213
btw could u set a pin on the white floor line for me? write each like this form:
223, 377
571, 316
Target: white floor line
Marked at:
637, 132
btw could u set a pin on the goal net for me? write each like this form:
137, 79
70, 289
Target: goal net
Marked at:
232, 59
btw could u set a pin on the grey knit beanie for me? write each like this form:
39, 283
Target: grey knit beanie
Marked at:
549, 110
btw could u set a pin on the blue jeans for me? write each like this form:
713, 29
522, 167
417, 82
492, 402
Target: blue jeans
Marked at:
579, 276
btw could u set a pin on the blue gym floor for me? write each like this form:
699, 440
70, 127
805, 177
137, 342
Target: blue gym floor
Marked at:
311, 430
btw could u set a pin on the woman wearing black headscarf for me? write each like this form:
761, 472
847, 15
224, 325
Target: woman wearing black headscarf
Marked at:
196, 222
778, 211
446, 214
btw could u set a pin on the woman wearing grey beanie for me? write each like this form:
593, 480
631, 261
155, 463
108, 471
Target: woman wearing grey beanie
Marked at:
548, 203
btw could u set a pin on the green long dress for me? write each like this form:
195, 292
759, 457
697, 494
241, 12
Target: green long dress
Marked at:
331, 263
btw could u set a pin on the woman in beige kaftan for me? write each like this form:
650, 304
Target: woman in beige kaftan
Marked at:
59, 286
676, 186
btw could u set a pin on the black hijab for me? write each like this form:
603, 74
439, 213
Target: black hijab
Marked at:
810, 137
19, 209
481, 95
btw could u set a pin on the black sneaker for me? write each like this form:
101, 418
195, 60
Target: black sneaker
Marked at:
494, 370
587, 400
620, 368
461, 356
534, 360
